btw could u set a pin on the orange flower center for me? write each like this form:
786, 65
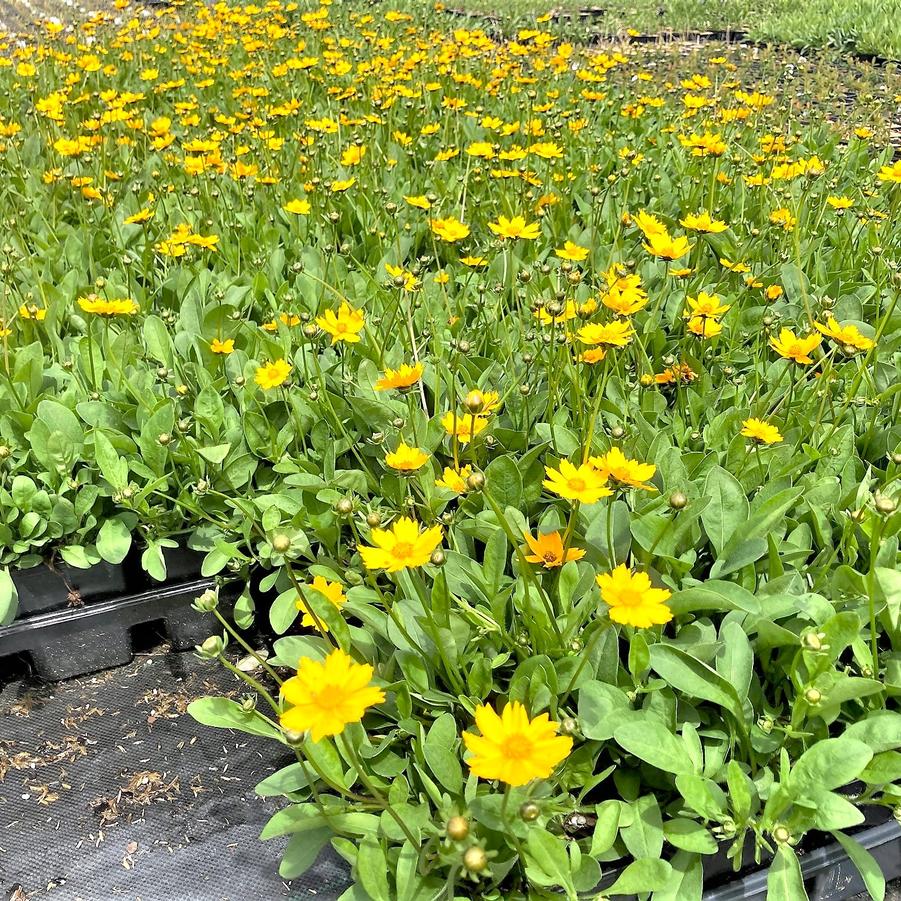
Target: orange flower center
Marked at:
550, 557
577, 484
516, 746
403, 550
629, 597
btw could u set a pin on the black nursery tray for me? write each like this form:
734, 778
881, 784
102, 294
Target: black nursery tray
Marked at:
72, 622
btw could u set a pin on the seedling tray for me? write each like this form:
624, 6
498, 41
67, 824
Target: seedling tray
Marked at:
70, 641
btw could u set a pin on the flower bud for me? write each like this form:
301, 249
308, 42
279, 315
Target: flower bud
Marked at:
475, 860
475, 481
457, 828
207, 602
678, 500
529, 811
474, 402
281, 543
374, 519
813, 696
781, 835
211, 648
5, 452
438, 557
344, 507
885, 505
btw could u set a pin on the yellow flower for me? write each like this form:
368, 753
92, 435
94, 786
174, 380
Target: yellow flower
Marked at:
839, 203
774, 292
420, 201
400, 547
403, 377
32, 311
345, 326
583, 483
340, 185
325, 696
406, 459
288, 319
625, 301
298, 207
144, 215
793, 347
332, 591
704, 326
547, 549
353, 155
272, 374
574, 252
512, 748
474, 262
783, 217
703, 222
617, 334
761, 431
595, 355
632, 600
517, 227
667, 248
705, 305
891, 173
614, 466
449, 230
222, 347
102, 307
649, 224
734, 267
464, 425
846, 335
455, 479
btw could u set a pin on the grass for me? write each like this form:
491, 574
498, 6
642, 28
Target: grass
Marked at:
864, 26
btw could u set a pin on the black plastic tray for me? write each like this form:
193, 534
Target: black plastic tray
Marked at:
74, 641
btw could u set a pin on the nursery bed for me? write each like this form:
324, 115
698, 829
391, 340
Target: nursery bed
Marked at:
108, 789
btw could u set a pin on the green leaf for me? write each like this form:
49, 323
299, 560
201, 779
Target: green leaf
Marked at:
112, 467
644, 875
643, 837
784, 881
689, 835
880, 731
372, 869
649, 740
224, 713
215, 454
504, 482
9, 597
158, 341
302, 851
601, 709
866, 864
290, 778
113, 541
714, 595
686, 673
829, 763
728, 509
548, 853
283, 611
439, 753
606, 827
